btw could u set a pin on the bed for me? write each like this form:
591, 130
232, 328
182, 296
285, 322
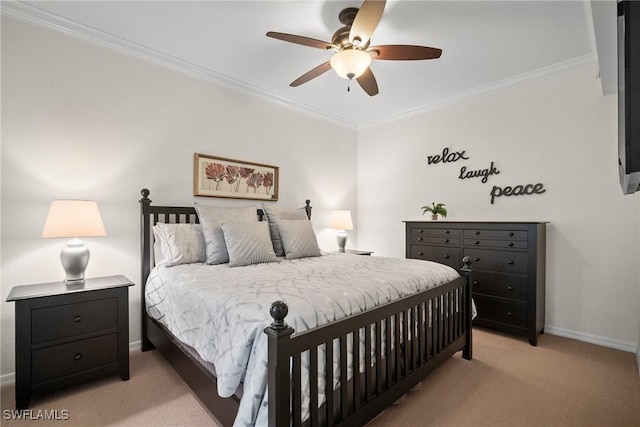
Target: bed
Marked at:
342, 370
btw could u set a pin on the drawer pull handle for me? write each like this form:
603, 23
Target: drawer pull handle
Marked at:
510, 244
420, 231
508, 313
420, 253
476, 259
475, 283
446, 231
510, 288
446, 240
477, 242
77, 319
419, 239
446, 257
78, 356
477, 233
511, 233
510, 262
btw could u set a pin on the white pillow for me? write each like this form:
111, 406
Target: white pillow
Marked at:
248, 243
298, 238
276, 214
211, 218
177, 244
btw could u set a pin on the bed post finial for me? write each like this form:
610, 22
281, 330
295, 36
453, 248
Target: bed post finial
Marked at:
145, 193
307, 208
467, 263
279, 311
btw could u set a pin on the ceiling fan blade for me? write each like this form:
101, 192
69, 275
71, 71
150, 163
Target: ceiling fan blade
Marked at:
305, 41
400, 52
366, 21
368, 82
320, 69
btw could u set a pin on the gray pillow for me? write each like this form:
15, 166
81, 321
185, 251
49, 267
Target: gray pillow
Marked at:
211, 218
298, 238
248, 243
276, 214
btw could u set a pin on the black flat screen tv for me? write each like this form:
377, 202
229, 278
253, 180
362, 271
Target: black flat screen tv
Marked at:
629, 95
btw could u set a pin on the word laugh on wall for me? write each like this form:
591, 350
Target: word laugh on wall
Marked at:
448, 156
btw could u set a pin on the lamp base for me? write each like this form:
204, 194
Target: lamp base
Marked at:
342, 240
74, 258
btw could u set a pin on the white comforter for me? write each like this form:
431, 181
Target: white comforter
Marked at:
221, 311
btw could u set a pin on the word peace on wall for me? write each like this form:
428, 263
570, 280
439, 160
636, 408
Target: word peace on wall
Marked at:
449, 156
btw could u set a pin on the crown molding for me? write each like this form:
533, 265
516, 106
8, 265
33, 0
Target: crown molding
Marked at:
569, 66
39, 17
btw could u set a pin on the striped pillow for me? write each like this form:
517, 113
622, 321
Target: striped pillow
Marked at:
248, 243
298, 238
274, 215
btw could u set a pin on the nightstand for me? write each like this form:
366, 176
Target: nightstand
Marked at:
356, 252
70, 334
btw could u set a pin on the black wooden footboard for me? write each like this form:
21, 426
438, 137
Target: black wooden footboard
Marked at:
403, 342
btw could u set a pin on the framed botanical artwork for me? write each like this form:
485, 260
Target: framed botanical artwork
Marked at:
237, 179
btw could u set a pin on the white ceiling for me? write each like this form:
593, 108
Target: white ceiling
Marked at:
487, 45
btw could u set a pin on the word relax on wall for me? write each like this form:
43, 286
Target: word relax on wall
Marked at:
448, 156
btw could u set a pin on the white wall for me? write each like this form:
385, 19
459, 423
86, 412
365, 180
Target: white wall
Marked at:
560, 132
79, 121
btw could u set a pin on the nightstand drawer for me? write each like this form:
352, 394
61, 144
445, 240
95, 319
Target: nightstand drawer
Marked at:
75, 357
500, 285
73, 319
510, 313
502, 261
442, 254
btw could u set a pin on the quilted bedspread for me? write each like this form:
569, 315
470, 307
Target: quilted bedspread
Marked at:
222, 311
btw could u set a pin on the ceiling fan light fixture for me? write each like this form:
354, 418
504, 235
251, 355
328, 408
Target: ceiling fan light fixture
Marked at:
350, 63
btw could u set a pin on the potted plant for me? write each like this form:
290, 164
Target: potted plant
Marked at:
435, 209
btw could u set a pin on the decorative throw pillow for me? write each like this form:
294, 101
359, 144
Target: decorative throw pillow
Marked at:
276, 214
211, 218
177, 244
298, 238
248, 243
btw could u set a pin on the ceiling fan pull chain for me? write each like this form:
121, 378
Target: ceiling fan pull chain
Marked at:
349, 85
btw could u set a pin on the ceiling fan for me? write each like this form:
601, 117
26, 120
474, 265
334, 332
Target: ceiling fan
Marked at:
351, 44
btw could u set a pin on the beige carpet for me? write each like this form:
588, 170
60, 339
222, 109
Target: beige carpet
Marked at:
561, 382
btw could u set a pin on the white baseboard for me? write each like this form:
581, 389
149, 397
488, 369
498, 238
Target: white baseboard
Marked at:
593, 339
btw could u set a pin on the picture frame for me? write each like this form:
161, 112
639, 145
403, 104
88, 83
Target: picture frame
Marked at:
236, 179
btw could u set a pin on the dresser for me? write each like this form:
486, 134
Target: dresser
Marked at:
508, 262
69, 334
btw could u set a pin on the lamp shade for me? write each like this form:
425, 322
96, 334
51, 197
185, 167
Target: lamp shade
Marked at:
73, 218
341, 220
350, 63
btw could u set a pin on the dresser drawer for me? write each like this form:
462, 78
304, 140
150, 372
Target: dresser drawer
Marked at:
495, 243
502, 261
433, 232
444, 255
511, 313
496, 234
73, 319
75, 357
500, 285
435, 240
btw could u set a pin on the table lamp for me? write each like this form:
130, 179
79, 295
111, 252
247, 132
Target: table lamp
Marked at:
341, 221
74, 218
